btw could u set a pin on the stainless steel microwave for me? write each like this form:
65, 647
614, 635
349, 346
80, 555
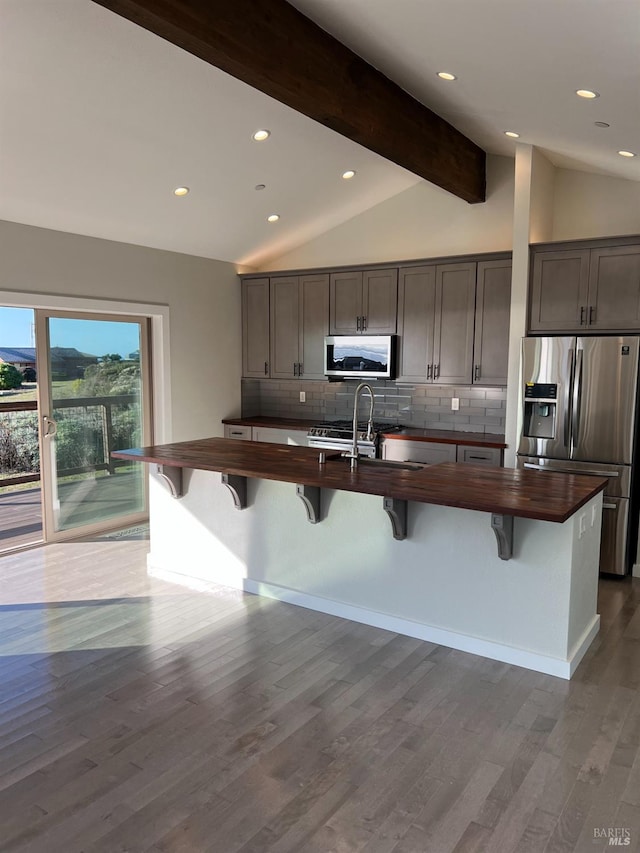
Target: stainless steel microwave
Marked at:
355, 356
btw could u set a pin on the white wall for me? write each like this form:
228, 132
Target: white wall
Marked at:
203, 298
541, 209
421, 222
587, 205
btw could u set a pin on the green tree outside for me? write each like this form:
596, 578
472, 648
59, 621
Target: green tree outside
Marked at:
10, 377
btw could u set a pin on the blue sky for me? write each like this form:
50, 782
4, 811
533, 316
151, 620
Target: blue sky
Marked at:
96, 337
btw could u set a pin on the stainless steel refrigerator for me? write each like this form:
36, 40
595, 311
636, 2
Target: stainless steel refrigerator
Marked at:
578, 401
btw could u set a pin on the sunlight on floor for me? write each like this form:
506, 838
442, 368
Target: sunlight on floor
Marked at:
97, 594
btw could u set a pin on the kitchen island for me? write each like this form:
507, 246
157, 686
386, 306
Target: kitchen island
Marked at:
498, 562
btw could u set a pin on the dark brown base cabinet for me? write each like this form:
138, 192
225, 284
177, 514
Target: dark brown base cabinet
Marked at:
591, 286
453, 322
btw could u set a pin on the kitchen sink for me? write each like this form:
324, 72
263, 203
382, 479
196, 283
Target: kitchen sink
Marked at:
367, 461
390, 463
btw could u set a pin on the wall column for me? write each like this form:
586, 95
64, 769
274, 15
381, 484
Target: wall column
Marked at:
532, 222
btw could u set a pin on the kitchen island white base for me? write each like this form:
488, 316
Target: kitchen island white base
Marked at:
445, 583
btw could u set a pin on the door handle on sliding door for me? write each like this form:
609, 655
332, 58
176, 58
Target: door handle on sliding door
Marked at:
50, 427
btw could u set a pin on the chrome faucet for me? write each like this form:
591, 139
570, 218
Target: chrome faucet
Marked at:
352, 454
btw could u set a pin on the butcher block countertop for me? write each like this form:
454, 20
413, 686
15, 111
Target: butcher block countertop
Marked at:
528, 494
444, 436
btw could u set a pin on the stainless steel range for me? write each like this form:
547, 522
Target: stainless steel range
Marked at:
338, 435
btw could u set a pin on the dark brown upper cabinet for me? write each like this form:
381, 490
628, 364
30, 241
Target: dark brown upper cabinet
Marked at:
364, 302
585, 289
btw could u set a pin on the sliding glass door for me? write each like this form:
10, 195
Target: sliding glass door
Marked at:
93, 385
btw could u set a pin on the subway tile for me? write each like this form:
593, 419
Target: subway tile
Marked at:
456, 420
489, 420
439, 410
438, 425
471, 393
494, 404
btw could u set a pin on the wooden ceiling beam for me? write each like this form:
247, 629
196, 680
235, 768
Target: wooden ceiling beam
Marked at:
272, 47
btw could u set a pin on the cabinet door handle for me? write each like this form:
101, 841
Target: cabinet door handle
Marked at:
266, 368
582, 315
592, 312
429, 367
299, 368
364, 324
476, 373
436, 371
295, 368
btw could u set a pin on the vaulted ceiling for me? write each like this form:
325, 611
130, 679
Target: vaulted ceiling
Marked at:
100, 119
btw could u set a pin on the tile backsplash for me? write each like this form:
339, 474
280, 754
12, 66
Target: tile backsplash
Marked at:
481, 409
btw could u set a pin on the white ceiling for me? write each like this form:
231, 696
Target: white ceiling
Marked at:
100, 120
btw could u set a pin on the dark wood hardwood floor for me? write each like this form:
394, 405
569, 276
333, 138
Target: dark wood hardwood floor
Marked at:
137, 714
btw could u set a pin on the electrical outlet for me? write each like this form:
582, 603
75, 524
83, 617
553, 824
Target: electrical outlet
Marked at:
303, 396
455, 404
582, 525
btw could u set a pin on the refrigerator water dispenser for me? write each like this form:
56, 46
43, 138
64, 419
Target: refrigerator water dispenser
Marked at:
539, 420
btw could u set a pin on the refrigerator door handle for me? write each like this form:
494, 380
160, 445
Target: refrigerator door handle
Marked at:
555, 470
567, 403
577, 398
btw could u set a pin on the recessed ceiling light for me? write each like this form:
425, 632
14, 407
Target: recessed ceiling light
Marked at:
273, 218
587, 93
259, 186
446, 75
261, 135
181, 191
348, 174
601, 124
626, 153
512, 134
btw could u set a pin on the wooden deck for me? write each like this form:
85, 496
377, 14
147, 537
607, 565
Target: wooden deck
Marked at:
83, 502
20, 519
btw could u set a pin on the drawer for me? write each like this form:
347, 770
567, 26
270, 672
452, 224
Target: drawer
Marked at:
242, 433
429, 452
479, 455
